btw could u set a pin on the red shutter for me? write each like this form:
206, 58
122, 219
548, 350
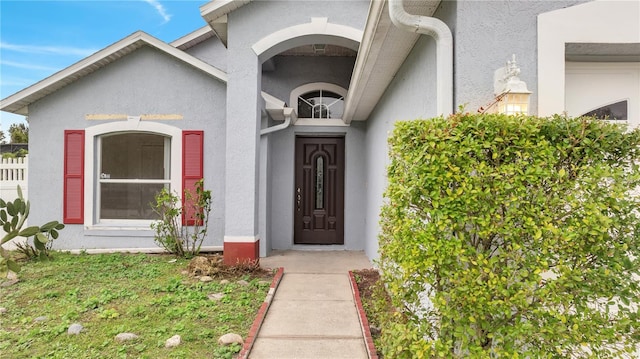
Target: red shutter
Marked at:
192, 169
73, 177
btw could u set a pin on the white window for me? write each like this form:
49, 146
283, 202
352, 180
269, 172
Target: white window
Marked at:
320, 104
132, 167
319, 101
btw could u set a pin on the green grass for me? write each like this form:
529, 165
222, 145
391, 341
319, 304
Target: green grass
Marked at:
113, 293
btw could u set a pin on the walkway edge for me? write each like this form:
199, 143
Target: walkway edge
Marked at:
364, 323
262, 312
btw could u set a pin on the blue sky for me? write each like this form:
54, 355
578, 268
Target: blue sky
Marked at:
39, 38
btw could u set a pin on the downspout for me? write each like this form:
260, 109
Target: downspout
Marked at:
441, 33
287, 111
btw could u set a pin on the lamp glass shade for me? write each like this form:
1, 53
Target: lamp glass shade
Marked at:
514, 103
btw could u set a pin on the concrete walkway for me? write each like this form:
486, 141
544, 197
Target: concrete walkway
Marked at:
312, 314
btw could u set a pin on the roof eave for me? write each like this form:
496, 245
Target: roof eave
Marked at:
215, 14
18, 103
375, 68
194, 38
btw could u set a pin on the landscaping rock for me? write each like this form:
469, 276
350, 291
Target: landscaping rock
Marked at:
243, 282
123, 337
230, 338
206, 278
9, 283
41, 319
3, 310
172, 342
224, 281
215, 296
75, 329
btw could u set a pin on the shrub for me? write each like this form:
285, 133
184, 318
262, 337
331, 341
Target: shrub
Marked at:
171, 234
512, 237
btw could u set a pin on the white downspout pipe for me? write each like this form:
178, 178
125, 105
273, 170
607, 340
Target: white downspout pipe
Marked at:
444, 49
287, 121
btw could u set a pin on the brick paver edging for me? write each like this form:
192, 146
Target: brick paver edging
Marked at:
364, 323
257, 323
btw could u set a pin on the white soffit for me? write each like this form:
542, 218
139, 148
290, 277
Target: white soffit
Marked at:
18, 103
382, 52
188, 41
215, 14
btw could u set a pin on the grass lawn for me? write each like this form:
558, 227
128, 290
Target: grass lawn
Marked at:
151, 296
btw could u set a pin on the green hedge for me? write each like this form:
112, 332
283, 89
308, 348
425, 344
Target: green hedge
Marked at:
511, 237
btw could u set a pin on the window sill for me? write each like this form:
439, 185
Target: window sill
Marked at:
320, 122
119, 230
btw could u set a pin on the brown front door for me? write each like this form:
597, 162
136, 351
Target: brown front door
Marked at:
319, 190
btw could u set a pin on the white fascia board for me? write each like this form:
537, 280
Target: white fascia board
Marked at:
218, 8
215, 14
18, 102
185, 57
193, 38
359, 77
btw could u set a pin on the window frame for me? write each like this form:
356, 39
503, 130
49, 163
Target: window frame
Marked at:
317, 86
92, 160
100, 180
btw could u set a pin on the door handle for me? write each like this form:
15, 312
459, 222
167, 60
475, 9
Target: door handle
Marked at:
298, 198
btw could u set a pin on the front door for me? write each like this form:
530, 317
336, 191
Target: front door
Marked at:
319, 190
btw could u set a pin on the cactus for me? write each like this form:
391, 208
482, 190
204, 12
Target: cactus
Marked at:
12, 218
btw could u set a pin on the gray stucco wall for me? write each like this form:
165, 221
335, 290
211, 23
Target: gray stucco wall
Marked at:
246, 26
486, 34
411, 95
293, 71
145, 81
277, 191
211, 51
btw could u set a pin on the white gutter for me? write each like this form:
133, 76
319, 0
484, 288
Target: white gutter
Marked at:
288, 113
444, 49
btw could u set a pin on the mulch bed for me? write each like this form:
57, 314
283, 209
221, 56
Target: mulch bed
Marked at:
367, 280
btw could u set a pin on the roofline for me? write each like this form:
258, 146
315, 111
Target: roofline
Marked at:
215, 14
192, 39
18, 103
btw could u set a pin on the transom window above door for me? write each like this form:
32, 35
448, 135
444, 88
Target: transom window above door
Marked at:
320, 104
319, 101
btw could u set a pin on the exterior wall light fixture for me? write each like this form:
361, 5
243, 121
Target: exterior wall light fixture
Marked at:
512, 95
319, 48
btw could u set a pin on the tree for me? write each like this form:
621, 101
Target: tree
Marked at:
19, 133
2, 138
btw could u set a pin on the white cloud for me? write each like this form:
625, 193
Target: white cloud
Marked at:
22, 65
160, 9
56, 50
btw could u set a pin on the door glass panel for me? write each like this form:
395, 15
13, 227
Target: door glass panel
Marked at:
615, 112
319, 183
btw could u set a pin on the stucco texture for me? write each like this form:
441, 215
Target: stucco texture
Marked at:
144, 82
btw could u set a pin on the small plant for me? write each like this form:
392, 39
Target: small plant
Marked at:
39, 250
227, 352
182, 225
12, 218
